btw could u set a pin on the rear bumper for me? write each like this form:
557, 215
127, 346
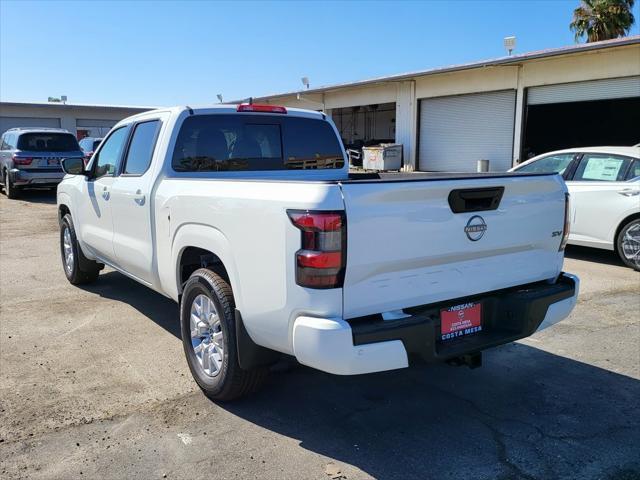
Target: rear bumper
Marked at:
371, 344
40, 177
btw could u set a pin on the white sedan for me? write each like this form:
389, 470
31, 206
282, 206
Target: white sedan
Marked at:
604, 183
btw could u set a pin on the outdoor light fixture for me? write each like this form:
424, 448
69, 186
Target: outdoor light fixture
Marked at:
305, 81
510, 44
219, 97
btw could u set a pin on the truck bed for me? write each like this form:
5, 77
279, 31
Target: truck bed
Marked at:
372, 177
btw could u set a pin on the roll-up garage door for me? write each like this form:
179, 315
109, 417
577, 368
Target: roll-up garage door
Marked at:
610, 88
457, 131
12, 122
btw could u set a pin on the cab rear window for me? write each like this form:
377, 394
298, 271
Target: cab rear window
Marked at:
48, 142
255, 142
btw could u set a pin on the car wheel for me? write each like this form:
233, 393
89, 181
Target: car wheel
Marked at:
628, 244
10, 190
77, 268
208, 330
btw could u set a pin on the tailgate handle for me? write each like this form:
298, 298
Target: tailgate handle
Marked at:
475, 199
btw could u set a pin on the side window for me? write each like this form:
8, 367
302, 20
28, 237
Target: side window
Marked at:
141, 148
597, 167
3, 144
7, 144
634, 171
550, 164
107, 160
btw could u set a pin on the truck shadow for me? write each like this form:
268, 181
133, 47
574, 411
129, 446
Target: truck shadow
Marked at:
158, 308
525, 414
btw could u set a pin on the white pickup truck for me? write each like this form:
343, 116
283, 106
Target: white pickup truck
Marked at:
249, 218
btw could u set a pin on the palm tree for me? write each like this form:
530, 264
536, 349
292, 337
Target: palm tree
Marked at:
602, 19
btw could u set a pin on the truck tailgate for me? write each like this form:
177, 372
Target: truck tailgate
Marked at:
407, 247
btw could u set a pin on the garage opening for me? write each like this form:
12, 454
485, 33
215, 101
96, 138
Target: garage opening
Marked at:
582, 114
366, 125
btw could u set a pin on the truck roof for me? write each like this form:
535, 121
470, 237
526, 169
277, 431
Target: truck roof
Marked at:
227, 109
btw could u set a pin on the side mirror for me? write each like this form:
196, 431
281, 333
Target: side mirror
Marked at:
73, 166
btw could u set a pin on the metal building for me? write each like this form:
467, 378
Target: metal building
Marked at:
504, 110
81, 120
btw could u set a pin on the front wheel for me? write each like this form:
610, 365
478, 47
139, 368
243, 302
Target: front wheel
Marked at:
628, 244
77, 268
209, 338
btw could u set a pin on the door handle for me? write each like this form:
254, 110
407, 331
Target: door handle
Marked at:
105, 193
629, 192
138, 197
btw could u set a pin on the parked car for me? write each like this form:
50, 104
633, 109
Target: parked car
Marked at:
350, 274
30, 157
604, 183
88, 145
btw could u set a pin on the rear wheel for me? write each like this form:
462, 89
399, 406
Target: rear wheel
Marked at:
628, 244
10, 190
209, 338
77, 268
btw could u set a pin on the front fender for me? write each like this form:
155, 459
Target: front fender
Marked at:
63, 198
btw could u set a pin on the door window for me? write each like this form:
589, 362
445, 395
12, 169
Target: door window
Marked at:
550, 164
141, 148
7, 142
634, 171
106, 161
598, 167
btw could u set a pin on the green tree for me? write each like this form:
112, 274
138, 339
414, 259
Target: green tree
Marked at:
602, 19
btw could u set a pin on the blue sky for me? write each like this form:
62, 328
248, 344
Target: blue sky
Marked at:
171, 53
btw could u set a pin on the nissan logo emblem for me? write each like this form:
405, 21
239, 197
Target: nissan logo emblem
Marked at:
475, 228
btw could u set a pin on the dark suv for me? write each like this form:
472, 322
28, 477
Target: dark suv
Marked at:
30, 157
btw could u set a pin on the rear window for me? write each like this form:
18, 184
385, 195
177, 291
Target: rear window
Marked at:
48, 142
254, 143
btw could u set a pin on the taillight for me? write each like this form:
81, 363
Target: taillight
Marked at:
254, 107
320, 263
22, 160
567, 221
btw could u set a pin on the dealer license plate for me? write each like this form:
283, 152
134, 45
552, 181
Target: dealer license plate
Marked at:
460, 320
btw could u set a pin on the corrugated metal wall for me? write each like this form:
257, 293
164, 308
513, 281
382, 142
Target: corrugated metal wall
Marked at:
584, 91
457, 131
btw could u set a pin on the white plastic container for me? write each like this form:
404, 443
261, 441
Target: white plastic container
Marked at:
386, 156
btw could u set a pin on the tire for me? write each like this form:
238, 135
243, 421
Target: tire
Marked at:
10, 190
628, 244
212, 353
79, 269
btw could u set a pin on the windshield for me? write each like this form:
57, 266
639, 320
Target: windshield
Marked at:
48, 142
